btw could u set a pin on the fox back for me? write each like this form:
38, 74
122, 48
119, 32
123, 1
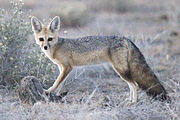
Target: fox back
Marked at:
90, 49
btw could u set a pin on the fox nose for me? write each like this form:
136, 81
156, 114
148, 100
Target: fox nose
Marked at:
45, 47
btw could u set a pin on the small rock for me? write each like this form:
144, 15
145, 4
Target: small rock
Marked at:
31, 91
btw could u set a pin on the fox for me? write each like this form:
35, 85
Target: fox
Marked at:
123, 55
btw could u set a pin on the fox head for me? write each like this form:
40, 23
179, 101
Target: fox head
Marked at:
46, 36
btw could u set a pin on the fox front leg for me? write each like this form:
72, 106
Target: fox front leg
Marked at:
65, 70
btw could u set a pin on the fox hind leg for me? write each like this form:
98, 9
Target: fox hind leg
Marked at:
120, 65
133, 86
133, 92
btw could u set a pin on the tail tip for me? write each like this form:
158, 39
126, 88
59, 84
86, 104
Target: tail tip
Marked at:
163, 98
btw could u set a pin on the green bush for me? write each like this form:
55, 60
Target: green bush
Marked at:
18, 56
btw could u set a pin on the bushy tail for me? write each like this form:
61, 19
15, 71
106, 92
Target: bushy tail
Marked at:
144, 76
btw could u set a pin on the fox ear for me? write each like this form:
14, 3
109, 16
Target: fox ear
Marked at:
36, 24
55, 24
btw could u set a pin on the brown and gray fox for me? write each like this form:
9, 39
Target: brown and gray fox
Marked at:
125, 58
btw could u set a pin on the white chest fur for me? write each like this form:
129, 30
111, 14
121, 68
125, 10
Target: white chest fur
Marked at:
50, 56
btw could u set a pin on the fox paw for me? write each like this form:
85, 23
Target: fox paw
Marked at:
131, 103
128, 100
48, 91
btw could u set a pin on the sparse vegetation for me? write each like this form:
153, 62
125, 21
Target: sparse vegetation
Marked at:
13, 36
17, 56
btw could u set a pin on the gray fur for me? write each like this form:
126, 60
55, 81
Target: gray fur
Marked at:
89, 43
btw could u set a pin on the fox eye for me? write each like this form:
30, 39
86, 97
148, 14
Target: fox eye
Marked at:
41, 39
50, 39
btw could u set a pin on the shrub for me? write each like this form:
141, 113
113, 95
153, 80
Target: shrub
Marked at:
18, 56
